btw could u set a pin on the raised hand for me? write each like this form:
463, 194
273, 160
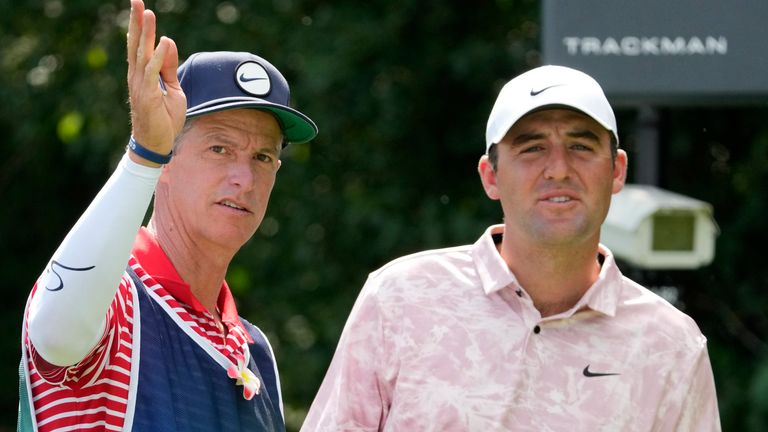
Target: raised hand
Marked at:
158, 109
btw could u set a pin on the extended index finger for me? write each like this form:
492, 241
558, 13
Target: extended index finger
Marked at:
134, 31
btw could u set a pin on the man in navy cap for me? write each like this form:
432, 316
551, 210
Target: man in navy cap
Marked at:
125, 331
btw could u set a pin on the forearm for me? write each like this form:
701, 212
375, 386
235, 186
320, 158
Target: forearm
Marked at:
67, 313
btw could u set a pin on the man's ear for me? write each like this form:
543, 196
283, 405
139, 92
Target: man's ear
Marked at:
620, 171
488, 177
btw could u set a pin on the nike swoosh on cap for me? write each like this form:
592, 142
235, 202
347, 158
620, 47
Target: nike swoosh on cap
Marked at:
588, 373
245, 79
542, 90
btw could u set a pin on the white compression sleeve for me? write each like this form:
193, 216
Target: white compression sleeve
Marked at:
68, 311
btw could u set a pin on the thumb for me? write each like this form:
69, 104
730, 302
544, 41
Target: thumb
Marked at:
170, 61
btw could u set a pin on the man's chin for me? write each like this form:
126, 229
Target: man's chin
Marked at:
562, 232
231, 237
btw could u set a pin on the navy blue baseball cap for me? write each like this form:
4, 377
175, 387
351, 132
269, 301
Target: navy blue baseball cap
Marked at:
222, 80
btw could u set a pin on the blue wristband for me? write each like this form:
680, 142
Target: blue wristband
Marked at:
147, 153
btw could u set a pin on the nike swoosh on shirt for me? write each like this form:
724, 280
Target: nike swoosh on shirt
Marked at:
542, 90
588, 373
244, 79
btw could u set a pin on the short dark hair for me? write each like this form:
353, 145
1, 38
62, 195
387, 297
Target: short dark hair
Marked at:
493, 155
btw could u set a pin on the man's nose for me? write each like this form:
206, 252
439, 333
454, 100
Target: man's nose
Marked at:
558, 165
241, 174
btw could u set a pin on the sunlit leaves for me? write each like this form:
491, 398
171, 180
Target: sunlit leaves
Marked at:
69, 126
96, 57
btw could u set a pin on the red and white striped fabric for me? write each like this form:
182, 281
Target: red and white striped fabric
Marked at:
93, 394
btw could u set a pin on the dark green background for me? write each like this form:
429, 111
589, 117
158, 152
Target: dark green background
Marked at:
401, 91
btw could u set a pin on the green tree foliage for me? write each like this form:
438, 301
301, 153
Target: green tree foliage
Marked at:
401, 91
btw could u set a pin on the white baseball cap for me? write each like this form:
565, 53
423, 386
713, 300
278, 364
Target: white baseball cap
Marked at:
543, 87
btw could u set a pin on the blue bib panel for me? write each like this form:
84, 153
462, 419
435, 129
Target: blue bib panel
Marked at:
181, 388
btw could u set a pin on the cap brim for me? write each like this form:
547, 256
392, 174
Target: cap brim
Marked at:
297, 127
547, 105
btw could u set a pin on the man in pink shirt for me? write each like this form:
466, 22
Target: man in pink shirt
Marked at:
533, 327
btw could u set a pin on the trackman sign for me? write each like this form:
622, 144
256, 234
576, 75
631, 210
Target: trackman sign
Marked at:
646, 46
662, 52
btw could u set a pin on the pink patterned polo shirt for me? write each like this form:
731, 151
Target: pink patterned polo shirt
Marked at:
447, 340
